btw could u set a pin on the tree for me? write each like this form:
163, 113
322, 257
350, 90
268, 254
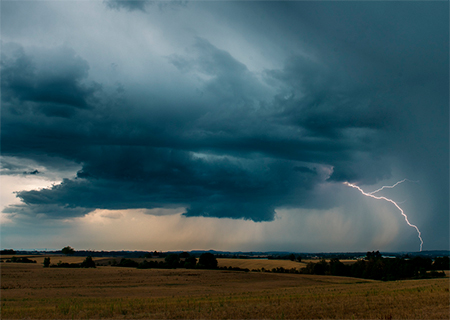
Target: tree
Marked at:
190, 262
68, 250
208, 261
172, 260
299, 258
337, 268
46, 262
321, 267
292, 257
7, 251
184, 255
88, 263
441, 263
373, 255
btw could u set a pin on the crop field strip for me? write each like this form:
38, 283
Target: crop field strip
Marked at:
31, 291
222, 262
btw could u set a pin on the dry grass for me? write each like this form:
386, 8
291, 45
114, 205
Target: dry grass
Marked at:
260, 263
269, 264
31, 291
54, 258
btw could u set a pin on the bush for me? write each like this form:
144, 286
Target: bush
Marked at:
124, 262
65, 265
22, 260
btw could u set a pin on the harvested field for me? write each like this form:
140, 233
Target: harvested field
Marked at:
53, 258
260, 263
31, 291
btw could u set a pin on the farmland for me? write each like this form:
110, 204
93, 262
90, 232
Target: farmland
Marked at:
31, 291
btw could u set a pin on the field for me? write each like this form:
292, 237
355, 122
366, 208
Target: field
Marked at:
31, 291
259, 263
222, 262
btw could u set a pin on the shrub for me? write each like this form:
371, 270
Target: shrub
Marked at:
124, 262
22, 260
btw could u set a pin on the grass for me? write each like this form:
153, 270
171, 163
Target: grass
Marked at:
259, 263
54, 259
31, 291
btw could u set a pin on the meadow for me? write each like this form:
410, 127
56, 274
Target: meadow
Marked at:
31, 291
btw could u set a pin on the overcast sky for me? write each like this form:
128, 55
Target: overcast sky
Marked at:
182, 125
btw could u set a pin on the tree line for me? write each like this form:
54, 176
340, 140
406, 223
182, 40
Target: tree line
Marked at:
87, 263
172, 261
375, 267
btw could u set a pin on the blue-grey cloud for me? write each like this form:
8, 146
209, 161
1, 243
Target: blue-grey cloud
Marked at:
54, 83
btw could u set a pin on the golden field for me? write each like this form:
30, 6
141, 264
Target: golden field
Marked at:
259, 263
31, 291
222, 262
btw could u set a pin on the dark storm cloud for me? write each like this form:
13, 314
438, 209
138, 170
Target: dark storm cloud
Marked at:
243, 144
238, 169
54, 82
137, 177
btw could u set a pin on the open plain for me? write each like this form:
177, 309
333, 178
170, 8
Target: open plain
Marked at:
31, 291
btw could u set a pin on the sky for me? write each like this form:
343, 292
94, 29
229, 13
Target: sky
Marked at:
226, 125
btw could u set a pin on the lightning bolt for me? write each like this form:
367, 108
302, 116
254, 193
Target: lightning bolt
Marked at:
371, 195
390, 187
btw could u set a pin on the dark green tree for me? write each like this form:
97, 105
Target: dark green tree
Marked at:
337, 268
184, 255
208, 260
68, 250
189, 263
88, 263
373, 255
172, 260
441, 263
321, 267
7, 251
46, 262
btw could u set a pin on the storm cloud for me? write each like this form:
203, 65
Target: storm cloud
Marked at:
330, 92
